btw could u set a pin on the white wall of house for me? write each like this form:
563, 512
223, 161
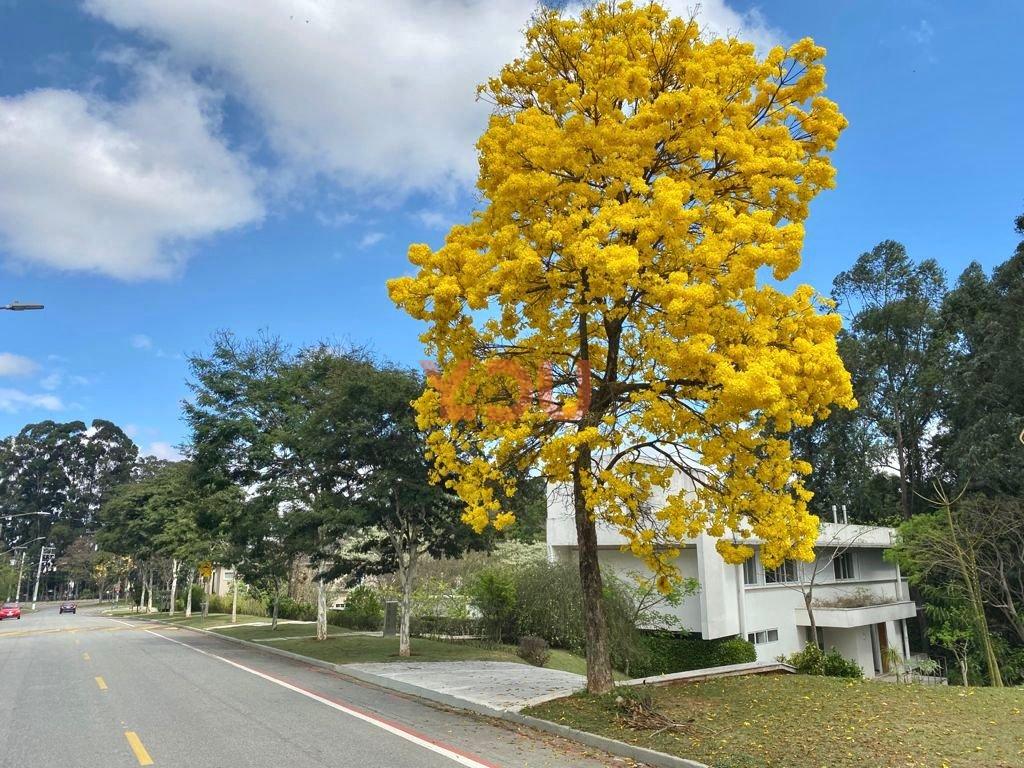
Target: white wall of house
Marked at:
772, 614
220, 581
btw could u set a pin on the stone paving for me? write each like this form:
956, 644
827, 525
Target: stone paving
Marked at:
502, 685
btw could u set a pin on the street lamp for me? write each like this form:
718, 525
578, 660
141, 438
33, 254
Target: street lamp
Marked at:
17, 306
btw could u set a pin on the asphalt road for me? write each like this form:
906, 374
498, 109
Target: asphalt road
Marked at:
88, 691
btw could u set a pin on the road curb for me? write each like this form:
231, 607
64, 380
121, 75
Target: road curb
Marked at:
612, 746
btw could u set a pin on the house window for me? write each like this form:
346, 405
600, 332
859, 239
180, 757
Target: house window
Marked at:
842, 565
750, 570
764, 636
784, 574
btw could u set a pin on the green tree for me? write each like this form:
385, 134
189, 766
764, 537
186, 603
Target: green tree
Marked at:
236, 423
944, 549
65, 470
363, 423
255, 427
896, 352
165, 519
847, 454
78, 561
983, 403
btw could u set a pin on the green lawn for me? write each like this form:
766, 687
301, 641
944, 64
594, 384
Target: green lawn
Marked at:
265, 632
796, 721
344, 647
340, 648
195, 620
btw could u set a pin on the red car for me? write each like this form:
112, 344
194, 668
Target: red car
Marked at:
10, 611
69, 608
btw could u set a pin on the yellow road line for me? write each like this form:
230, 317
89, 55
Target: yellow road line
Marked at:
86, 657
31, 632
140, 751
101, 683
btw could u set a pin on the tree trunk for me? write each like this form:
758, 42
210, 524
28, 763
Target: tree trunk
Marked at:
962, 661
206, 596
599, 664
142, 590
321, 610
808, 600
174, 585
904, 480
1009, 606
277, 596
969, 573
234, 595
188, 592
408, 580
149, 598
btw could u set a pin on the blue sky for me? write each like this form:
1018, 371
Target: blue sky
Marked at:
170, 169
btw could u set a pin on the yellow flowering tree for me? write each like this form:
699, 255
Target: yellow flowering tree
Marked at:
601, 317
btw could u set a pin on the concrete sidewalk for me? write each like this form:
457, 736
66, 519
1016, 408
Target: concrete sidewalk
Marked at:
500, 685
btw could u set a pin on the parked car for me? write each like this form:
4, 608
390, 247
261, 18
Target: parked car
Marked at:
69, 608
10, 611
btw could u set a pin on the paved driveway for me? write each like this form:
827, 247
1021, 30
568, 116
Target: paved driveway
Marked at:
496, 684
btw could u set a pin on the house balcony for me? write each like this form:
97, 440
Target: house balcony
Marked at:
849, 618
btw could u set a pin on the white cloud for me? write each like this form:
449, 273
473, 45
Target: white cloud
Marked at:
118, 188
335, 218
162, 450
16, 365
15, 401
141, 341
51, 381
718, 18
370, 239
435, 219
378, 96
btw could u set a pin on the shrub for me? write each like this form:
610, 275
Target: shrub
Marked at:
197, 597
534, 650
814, 661
363, 608
668, 653
447, 626
837, 665
362, 622
549, 604
859, 598
295, 611
493, 593
246, 605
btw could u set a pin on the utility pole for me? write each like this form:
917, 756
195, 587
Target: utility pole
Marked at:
21, 567
45, 553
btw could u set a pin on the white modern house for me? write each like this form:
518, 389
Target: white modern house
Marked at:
860, 602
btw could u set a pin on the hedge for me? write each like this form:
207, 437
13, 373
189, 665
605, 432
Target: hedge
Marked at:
668, 653
354, 620
446, 626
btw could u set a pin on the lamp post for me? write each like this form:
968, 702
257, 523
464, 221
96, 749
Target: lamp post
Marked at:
17, 306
